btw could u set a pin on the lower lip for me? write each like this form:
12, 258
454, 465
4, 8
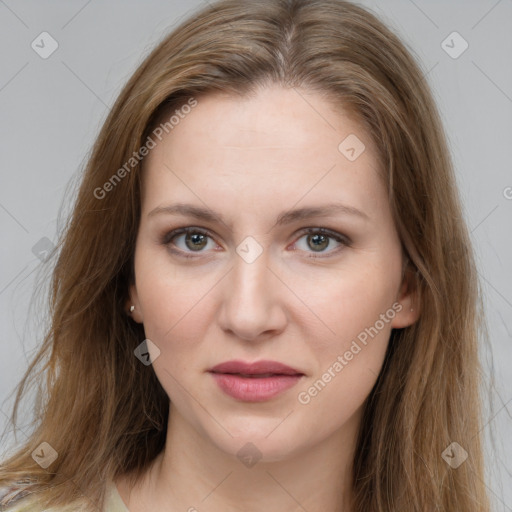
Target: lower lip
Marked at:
254, 389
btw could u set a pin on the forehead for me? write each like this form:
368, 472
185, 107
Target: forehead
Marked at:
288, 116
276, 145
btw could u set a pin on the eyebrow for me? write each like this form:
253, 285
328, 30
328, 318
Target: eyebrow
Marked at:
287, 217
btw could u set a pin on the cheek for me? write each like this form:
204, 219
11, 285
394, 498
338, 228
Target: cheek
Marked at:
345, 306
335, 398
176, 304
176, 316
358, 310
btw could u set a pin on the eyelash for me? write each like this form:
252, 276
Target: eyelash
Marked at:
168, 237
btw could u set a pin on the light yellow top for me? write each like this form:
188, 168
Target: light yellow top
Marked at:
113, 503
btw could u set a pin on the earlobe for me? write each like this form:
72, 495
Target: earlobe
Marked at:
408, 298
133, 307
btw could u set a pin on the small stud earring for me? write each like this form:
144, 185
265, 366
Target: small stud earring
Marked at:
132, 308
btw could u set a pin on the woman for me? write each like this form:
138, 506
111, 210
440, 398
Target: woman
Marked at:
266, 297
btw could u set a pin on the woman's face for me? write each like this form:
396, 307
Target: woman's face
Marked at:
249, 283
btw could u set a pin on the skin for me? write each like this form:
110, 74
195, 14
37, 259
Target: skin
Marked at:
249, 160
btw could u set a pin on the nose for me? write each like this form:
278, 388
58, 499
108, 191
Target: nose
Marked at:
252, 308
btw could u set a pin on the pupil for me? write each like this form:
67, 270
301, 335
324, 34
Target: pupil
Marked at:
316, 238
198, 241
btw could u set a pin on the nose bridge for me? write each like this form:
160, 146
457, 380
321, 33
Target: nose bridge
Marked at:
250, 278
251, 304
251, 273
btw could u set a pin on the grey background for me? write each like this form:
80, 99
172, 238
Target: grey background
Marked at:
51, 110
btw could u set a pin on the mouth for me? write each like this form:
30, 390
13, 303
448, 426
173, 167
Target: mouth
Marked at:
252, 376
254, 382
256, 369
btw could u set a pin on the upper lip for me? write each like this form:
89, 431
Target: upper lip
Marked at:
255, 368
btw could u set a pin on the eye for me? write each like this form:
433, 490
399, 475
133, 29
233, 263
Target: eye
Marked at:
319, 239
188, 240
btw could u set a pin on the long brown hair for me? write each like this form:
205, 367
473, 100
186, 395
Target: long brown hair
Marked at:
105, 414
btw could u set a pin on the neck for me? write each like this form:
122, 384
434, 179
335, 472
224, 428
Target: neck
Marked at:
193, 474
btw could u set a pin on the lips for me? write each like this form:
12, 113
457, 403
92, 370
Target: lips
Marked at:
254, 382
258, 369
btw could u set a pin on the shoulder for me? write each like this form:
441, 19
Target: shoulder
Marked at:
14, 499
29, 504
23, 504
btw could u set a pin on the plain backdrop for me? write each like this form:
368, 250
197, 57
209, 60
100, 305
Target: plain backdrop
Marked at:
51, 109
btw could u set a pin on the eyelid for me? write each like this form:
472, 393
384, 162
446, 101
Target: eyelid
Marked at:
173, 233
339, 237
342, 239
170, 235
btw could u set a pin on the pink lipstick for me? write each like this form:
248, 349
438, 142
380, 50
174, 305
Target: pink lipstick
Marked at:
254, 382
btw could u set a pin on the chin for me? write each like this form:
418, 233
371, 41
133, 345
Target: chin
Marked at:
260, 440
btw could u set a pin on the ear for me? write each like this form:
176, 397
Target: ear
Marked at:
136, 314
408, 298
